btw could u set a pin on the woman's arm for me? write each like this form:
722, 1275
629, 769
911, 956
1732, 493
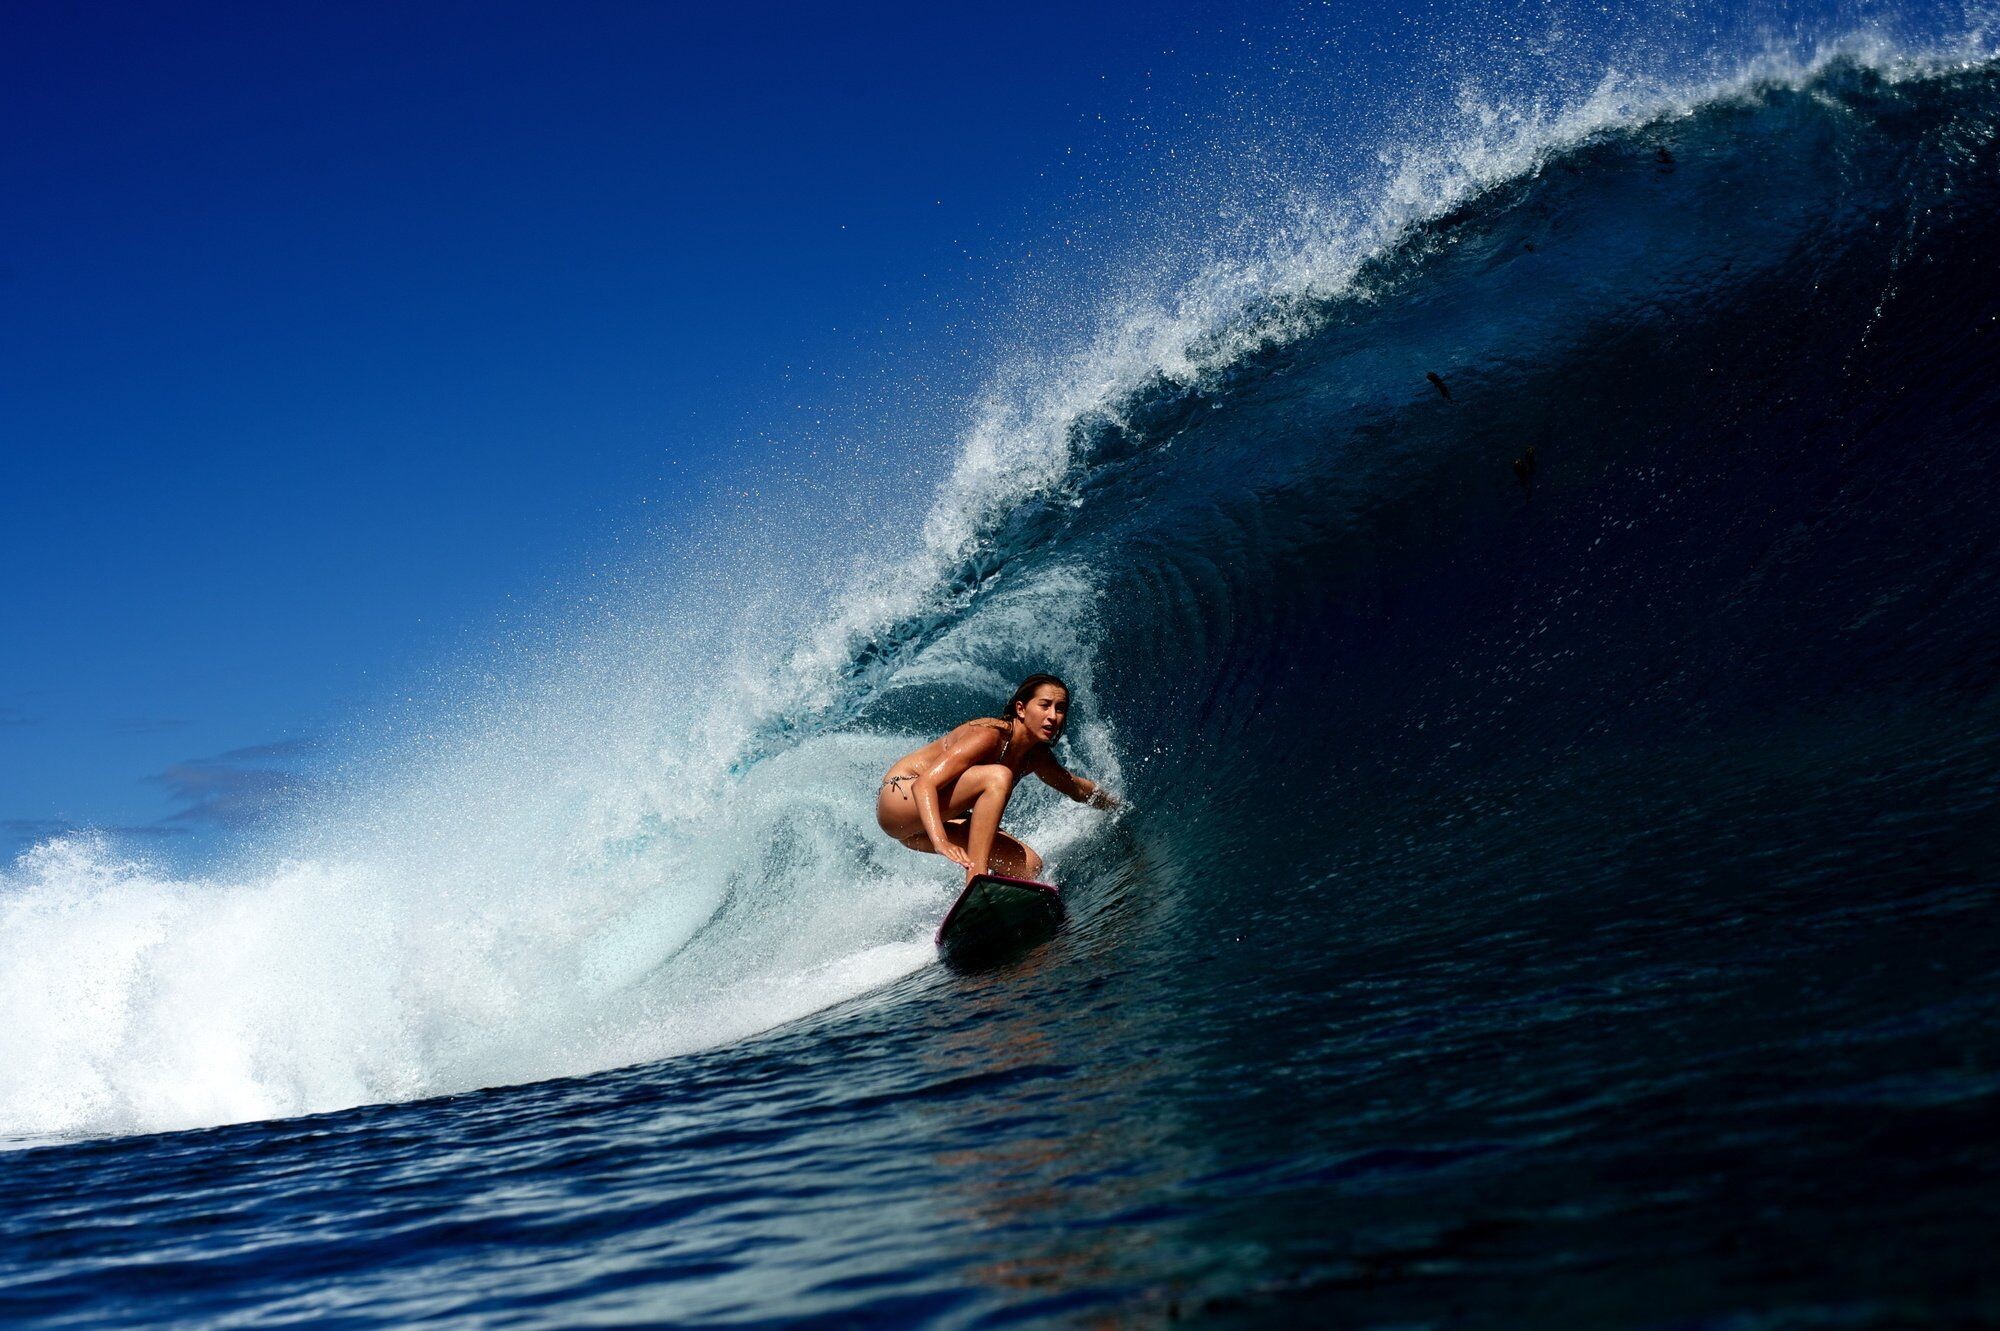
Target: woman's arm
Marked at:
969, 744
925, 791
1054, 775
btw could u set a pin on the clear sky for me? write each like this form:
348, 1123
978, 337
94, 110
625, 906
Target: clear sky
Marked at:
332, 328
333, 331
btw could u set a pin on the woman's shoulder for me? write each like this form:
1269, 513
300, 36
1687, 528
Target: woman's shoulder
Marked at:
978, 724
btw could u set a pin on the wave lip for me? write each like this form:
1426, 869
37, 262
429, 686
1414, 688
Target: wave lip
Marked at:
586, 869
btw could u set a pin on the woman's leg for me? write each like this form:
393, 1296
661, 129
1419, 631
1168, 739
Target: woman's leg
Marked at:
988, 787
983, 793
1010, 855
1015, 858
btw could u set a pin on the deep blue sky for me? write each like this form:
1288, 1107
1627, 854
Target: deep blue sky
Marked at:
333, 332
332, 328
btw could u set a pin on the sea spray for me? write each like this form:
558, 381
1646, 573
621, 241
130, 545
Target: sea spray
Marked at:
660, 836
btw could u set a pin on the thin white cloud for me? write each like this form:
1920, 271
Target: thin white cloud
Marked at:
236, 787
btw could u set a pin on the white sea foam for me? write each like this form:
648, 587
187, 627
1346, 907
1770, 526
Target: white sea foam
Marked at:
614, 856
597, 864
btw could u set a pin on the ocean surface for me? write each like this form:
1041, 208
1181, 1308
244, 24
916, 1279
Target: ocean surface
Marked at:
1559, 888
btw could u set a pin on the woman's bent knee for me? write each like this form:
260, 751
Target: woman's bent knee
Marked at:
993, 777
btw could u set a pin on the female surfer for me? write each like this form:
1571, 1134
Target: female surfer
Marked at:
947, 797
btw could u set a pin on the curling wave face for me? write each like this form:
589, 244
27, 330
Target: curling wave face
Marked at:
1745, 330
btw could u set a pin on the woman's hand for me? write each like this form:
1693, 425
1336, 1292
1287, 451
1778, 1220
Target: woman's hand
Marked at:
1093, 796
957, 854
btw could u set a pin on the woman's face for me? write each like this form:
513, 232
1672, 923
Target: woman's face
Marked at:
1045, 712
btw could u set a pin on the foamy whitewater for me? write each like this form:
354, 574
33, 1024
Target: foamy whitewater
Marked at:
658, 835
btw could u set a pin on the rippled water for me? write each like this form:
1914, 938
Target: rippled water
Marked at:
1560, 904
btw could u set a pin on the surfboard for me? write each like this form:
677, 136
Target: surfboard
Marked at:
997, 917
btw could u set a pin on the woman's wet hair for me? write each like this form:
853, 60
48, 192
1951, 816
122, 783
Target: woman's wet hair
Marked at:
1027, 691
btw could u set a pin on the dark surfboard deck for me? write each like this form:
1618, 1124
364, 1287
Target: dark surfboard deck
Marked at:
996, 918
